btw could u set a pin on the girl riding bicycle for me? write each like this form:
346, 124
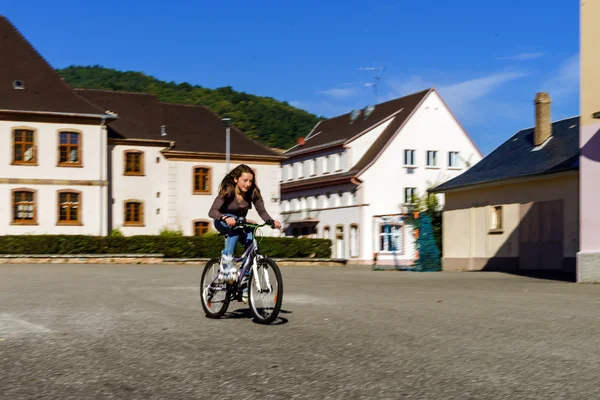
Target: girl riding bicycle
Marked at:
237, 192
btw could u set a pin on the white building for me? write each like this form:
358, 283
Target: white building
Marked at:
89, 161
354, 175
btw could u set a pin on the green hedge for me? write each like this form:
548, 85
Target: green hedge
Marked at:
170, 246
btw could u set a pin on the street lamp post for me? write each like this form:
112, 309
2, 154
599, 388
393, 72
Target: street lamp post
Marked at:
227, 122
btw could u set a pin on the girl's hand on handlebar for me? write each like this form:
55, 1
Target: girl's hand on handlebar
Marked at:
277, 224
230, 221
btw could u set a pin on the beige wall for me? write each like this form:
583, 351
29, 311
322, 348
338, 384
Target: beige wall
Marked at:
467, 218
590, 61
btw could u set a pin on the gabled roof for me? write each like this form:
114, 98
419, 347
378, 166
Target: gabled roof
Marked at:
43, 89
516, 158
139, 113
338, 130
193, 128
196, 128
403, 108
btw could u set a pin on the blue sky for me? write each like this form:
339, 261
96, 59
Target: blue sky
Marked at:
487, 59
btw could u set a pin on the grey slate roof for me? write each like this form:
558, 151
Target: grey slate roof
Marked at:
515, 158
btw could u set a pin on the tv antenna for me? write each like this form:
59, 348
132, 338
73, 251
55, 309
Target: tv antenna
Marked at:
377, 78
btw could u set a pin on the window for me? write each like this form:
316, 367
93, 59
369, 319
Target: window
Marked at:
390, 238
303, 204
496, 218
339, 241
69, 208
453, 159
326, 233
24, 207
200, 228
431, 158
353, 240
326, 164
409, 157
337, 159
201, 180
312, 170
134, 213
24, 150
290, 172
312, 203
409, 195
134, 162
69, 149
299, 170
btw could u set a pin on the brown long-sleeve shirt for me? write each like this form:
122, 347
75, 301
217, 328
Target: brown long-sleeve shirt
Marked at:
232, 206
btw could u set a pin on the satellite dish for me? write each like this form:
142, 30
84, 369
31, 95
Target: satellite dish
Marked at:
354, 115
368, 111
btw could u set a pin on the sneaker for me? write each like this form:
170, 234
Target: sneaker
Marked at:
227, 270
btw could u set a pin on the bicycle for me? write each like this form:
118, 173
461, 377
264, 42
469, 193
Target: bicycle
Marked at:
253, 274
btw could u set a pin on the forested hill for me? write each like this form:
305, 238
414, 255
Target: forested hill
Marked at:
271, 122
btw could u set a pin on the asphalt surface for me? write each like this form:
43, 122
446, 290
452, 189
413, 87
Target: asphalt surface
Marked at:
138, 332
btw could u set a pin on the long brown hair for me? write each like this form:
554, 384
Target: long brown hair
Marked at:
227, 186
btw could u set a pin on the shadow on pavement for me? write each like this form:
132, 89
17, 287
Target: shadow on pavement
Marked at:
245, 313
547, 275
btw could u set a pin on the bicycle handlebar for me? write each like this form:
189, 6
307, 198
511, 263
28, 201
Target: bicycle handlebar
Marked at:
241, 222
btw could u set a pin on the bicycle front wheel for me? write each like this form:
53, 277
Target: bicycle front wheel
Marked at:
265, 291
214, 295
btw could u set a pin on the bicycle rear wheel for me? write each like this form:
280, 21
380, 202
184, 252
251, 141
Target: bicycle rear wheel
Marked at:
214, 295
265, 291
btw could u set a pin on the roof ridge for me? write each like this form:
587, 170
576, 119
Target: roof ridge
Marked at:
188, 105
552, 123
116, 92
46, 63
214, 114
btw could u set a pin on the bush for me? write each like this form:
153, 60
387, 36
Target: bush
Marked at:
172, 246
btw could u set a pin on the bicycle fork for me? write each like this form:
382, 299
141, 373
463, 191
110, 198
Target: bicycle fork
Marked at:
255, 272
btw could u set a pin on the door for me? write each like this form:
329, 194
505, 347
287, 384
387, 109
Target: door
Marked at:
541, 235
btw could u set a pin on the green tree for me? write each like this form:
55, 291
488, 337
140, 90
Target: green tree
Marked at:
271, 122
429, 204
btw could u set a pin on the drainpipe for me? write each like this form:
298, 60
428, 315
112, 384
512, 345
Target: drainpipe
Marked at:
102, 176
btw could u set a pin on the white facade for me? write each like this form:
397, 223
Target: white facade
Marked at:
99, 189
38, 170
347, 214
168, 196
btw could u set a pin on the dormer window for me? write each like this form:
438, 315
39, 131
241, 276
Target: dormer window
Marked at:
18, 84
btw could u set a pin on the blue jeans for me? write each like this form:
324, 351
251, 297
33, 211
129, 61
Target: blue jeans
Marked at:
232, 237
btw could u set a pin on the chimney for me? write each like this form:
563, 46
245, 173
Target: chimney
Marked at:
543, 123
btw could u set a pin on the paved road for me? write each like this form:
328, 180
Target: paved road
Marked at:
137, 332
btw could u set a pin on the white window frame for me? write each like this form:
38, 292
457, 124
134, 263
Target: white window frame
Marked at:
312, 168
337, 162
407, 196
396, 236
325, 164
432, 160
453, 159
409, 157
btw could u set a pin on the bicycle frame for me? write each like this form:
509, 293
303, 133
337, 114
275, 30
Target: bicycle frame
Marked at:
249, 253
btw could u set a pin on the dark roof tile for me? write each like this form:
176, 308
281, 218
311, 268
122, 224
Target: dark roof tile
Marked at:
44, 90
339, 129
196, 128
515, 158
139, 113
